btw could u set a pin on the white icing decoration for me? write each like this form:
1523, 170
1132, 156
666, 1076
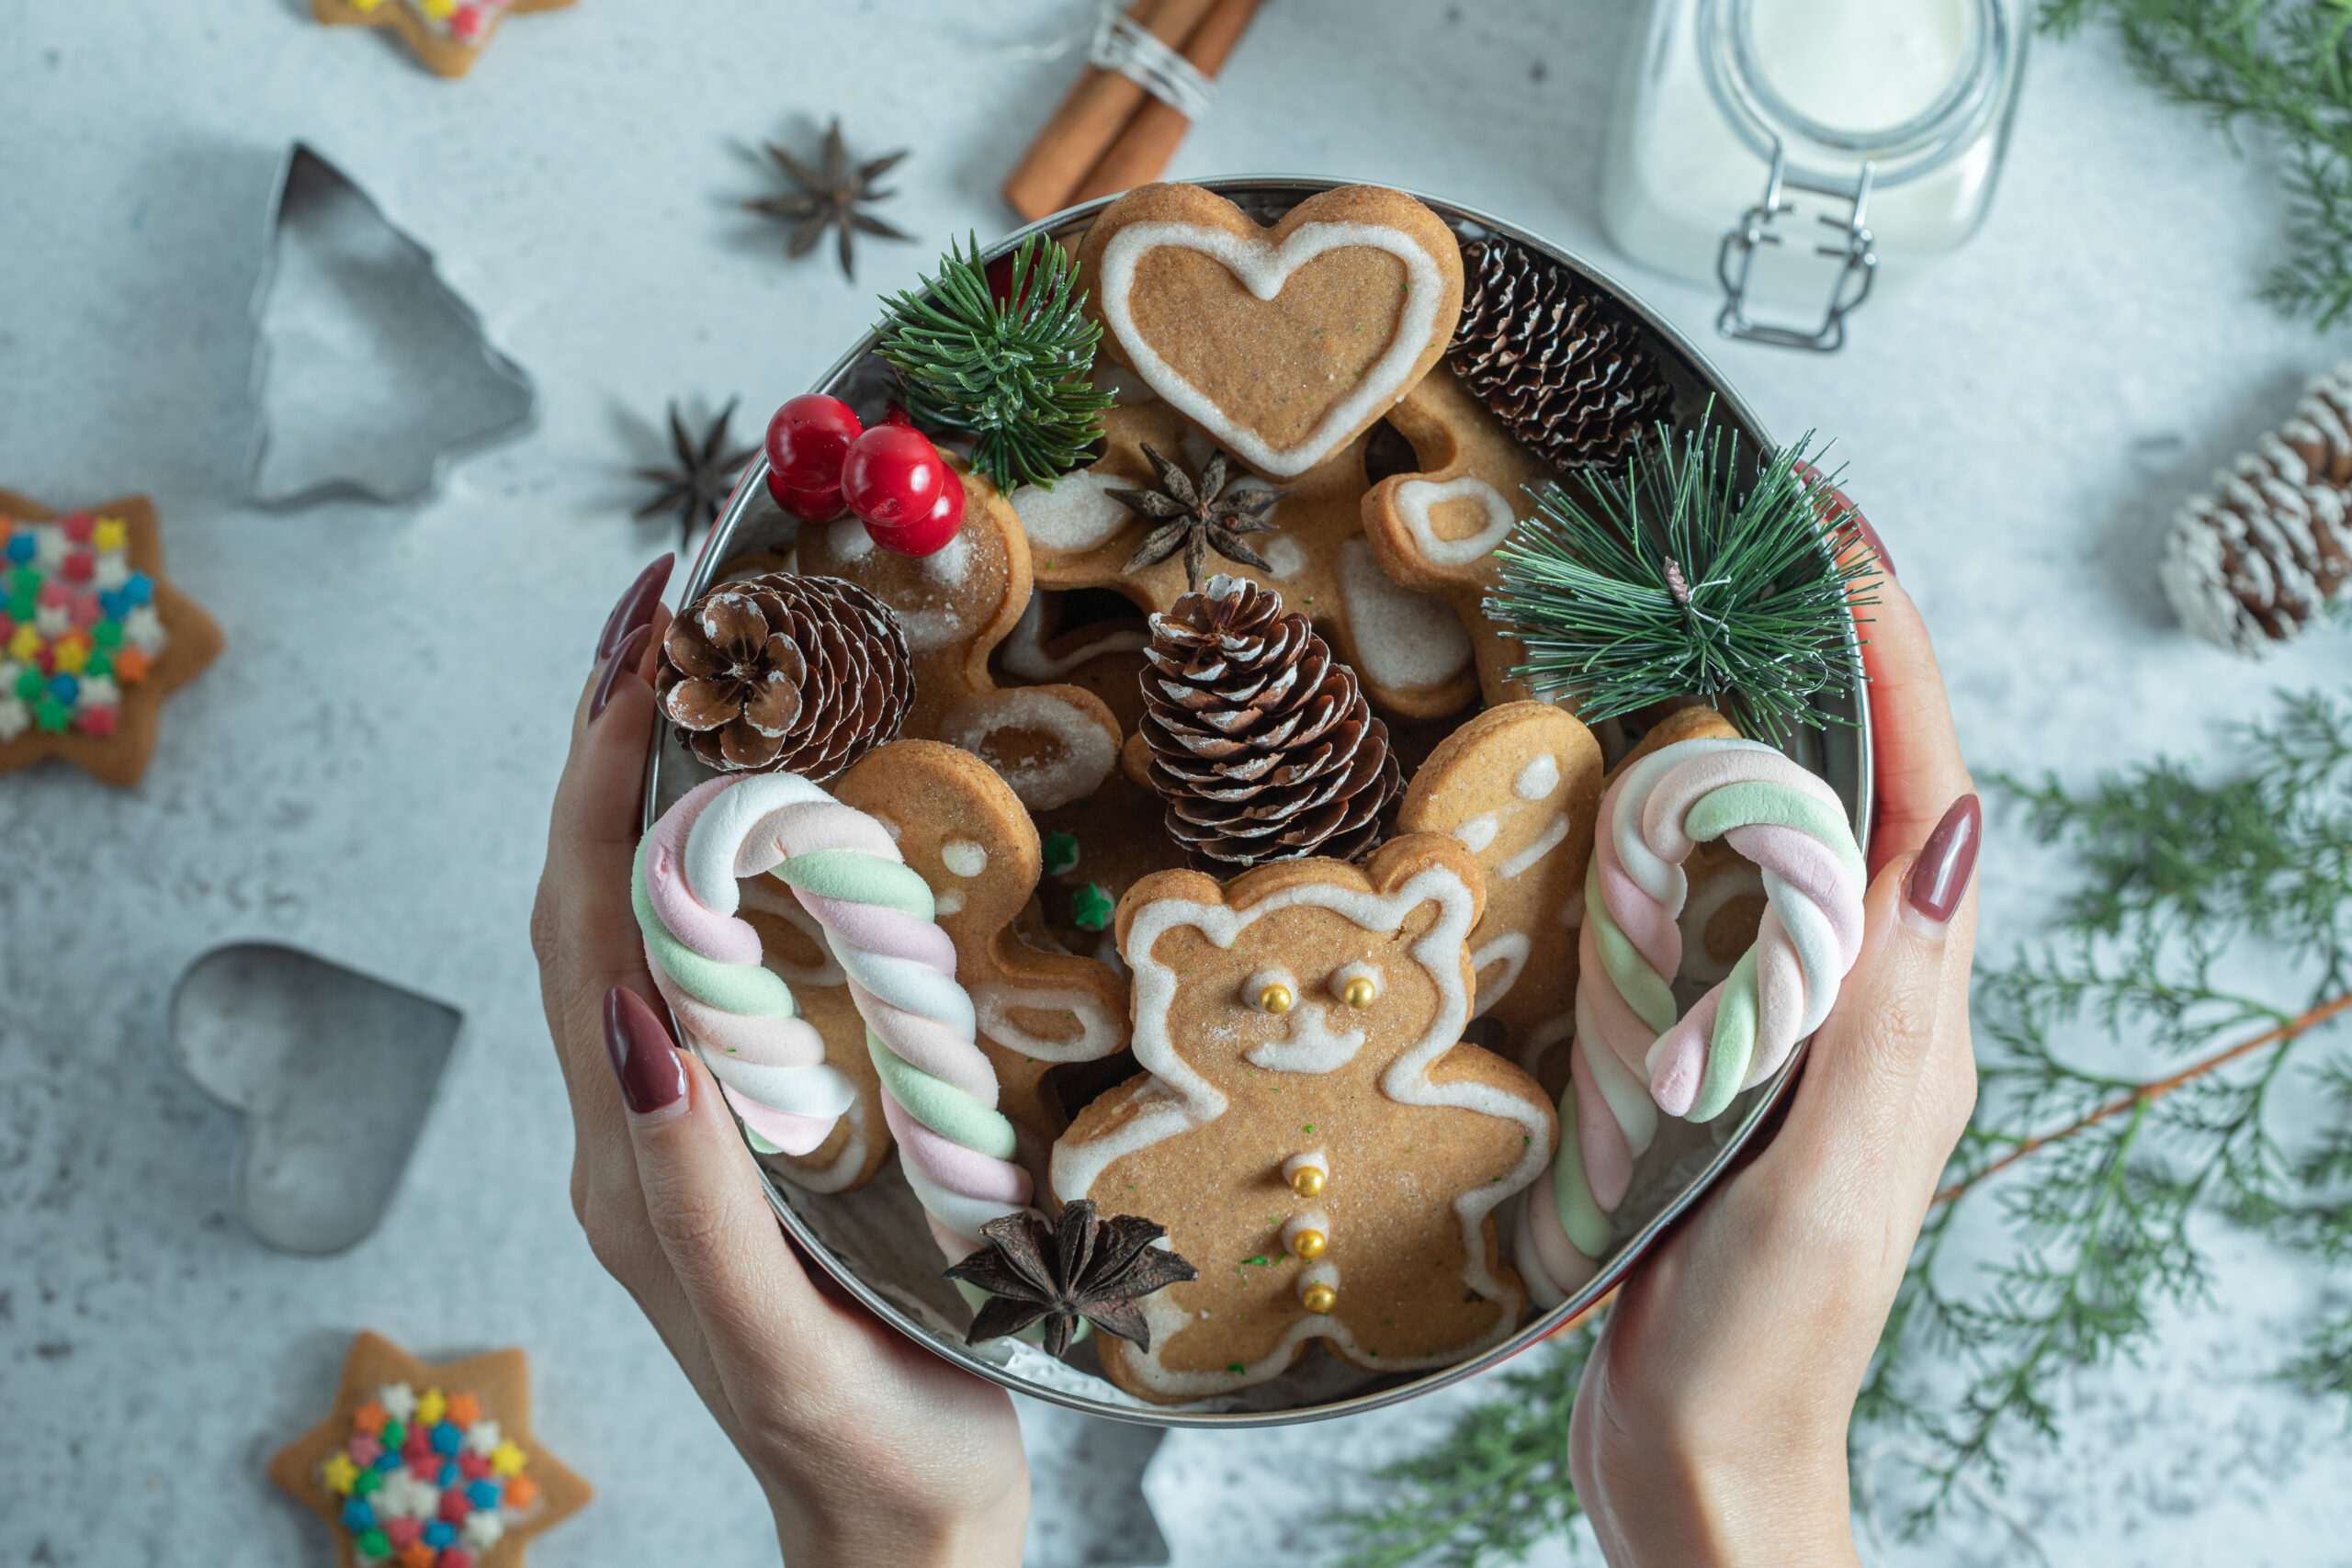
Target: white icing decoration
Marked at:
50, 548
1359, 970
963, 857
846, 539
1097, 1029
1179, 1098
143, 629
930, 630
483, 1437
14, 718
1305, 1220
399, 1401
113, 569
1310, 1046
1313, 1159
1414, 498
1078, 514
1262, 268
1322, 1271
482, 1529
1479, 832
96, 691
1285, 556
53, 621
1255, 986
1024, 653
949, 563
1088, 751
1538, 778
1405, 641
1509, 950
1542, 844
948, 903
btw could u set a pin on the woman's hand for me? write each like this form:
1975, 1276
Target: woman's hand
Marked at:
870, 1449
1711, 1427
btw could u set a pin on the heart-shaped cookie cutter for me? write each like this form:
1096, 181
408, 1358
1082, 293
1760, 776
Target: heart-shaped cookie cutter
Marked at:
873, 1240
334, 1073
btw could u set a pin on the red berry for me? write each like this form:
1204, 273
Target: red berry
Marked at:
807, 440
929, 536
809, 505
912, 502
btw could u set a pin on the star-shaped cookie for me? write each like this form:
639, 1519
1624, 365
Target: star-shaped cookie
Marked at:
447, 35
422, 1466
92, 636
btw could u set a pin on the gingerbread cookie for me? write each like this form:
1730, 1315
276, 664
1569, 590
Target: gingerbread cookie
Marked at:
1435, 531
429, 1466
93, 636
447, 35
1310, 1128
960, 827
1519, 786
1282, 343
1053, 744
1410, 648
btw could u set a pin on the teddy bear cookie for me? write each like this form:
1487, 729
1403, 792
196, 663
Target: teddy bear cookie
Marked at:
93, 636
1519, 786
448, 36
1310, 1128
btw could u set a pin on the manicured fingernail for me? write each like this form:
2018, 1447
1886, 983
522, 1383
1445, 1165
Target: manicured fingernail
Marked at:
1877, 545
636, 608
1939, 876
652, 1078
623, 662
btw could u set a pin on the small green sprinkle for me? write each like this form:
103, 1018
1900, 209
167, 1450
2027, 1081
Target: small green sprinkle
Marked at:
1094, 906
107, 634
52, 716
1259, 1261
393, 1435
1234, 1367
373, 1543
1061, 853
1310, 1126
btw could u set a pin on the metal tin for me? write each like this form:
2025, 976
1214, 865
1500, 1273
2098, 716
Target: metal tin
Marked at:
1839, 753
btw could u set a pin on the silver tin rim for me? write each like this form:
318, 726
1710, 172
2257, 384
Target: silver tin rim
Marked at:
1842, 754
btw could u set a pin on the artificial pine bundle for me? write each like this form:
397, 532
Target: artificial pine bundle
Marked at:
1010, 366
1686, 576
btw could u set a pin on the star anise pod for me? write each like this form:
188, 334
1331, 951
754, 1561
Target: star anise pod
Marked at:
1087, 1266
830, 196
704, 475
1199, 516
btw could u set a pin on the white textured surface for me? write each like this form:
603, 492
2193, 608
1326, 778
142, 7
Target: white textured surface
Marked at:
2019, 429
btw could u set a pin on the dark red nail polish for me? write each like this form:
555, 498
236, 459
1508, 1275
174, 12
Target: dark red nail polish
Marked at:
1878, 545
623, 662
636, 607
1939, 876
651, 1074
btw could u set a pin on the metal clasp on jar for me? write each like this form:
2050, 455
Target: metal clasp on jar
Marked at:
1855, 251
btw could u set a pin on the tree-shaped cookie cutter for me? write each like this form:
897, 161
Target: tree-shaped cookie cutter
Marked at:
370, 373
334, 1073
854, 1237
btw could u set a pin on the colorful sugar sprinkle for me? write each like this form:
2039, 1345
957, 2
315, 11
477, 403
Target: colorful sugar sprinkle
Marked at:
426, 1480
77, 626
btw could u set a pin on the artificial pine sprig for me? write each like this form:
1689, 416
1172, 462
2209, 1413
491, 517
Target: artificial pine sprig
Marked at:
1012, 371
1687, 577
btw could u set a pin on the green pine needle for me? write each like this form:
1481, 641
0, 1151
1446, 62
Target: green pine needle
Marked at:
1686, 577
1013, 373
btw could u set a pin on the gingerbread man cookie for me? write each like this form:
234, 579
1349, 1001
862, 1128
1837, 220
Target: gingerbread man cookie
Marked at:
1054, 744
1284, 344
1435, 531
961, 827
1310, 1128
1519, 786
93, 636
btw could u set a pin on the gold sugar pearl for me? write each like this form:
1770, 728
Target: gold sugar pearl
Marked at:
1359, 992
1308, 1245
1306, 1180
1275, 999
1319, 1297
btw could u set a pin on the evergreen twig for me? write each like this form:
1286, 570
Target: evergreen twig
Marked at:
1012, 371
1688, 575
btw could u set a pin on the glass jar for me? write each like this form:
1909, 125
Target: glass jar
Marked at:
1793, 149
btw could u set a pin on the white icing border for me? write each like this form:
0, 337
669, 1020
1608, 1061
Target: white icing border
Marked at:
1413, 499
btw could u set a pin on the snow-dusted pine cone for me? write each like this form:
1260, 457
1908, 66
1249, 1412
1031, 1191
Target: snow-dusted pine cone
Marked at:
1543, 350
785, 674
2269, 550
1262, 744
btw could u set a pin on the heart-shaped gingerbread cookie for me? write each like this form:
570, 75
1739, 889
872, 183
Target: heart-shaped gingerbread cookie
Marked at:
1282, 343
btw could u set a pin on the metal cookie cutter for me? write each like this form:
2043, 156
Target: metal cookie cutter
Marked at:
334, 1072
369, 373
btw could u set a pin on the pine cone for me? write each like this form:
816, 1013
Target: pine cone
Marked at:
1553, 361
2251, 564
781, 673
1262, 744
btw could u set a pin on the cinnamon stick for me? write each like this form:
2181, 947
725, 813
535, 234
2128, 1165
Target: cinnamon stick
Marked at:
1092, 116
1143, 150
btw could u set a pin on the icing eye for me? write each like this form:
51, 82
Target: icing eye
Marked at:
1272, 991
1358, 986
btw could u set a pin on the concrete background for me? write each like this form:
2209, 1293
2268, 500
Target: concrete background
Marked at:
366, 772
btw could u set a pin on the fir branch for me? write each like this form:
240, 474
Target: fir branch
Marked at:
1686, 576
1495, 1485
2282, 66
1012, 371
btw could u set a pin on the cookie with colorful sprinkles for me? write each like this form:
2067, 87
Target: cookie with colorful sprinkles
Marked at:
93, 636
448, 36
422, 1466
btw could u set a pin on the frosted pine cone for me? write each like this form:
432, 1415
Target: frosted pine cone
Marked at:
781, 674
2269, 549
1262, 746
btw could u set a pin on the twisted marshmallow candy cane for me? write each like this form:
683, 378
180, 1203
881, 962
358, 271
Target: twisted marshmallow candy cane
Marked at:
1632, 1056
938, 1091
